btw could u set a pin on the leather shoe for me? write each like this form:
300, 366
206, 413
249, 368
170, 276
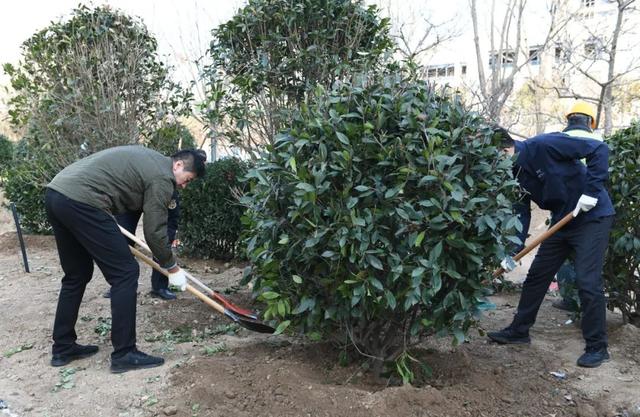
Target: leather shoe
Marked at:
163, 293
509, 337
76, 352
592, 358
134, 360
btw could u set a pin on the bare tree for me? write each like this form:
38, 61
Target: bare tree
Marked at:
417, 32
603, 44
509, 54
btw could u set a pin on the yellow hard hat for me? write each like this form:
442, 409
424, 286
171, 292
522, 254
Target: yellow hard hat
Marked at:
585, 108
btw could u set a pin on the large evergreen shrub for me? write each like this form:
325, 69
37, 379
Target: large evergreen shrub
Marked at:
376, 219
622, 265
91, 82
210, 224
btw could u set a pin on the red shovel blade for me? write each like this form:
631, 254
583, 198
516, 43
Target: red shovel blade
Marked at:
234, 308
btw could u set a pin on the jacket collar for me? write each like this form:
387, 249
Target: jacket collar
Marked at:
578, 127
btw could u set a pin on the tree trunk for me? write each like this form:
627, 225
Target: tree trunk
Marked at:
607, 102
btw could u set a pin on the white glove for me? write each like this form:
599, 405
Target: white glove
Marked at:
508, 264
585, 203
178, 279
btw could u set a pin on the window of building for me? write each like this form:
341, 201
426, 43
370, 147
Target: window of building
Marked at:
463, 70
508, 57
436, 71
591, 49
560, 54
534, 56
586, 9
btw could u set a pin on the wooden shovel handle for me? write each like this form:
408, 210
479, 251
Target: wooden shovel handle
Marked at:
163, 271
538, 240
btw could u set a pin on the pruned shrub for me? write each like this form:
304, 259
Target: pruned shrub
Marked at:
210, 224
622, 264
377, 218
92, 81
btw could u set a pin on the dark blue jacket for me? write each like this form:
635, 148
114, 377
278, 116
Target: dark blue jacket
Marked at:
548, 167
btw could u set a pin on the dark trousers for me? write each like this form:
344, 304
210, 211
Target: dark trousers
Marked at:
130, 222
589, 241
83, 235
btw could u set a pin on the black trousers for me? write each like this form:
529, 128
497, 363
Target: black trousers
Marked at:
83, 235
130, 222
589, 241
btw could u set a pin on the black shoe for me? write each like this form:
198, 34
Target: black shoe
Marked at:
562, 305
593, 358
107, 294
509, 337
76, 352
163, 293
134, 360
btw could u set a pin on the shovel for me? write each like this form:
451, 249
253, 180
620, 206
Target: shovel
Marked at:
538, 240
246, 322
213, 294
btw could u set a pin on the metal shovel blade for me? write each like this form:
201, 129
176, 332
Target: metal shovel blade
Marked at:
253, 325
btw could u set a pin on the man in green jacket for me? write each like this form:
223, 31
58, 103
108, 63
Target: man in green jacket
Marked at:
80, 203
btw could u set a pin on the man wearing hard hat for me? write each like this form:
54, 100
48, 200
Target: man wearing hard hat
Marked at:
548, 167
581, 120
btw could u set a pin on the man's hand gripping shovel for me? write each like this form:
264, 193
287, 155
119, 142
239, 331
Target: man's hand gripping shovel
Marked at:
243, 317
538, 240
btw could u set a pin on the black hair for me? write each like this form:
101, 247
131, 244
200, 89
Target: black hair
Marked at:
506, 141
579, 119
194, 160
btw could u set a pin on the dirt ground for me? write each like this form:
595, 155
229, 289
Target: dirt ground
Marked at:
214, 368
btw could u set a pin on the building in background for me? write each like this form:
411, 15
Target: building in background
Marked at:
563, 51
